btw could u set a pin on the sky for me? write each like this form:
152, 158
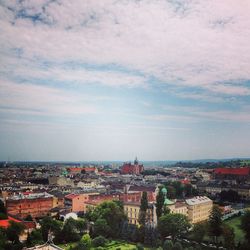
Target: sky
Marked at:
110, 80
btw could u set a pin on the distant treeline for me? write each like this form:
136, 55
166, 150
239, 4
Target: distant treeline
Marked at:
211, 165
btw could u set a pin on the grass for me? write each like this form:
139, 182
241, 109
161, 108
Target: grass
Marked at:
112, 245
235, 224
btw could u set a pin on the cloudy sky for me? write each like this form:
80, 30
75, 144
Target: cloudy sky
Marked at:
109, 80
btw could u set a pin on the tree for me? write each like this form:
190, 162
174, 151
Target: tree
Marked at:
143, 209
177, 246
2, 208
110, 213
159, 203
3, 211
34, 238
199, 231
86, 241
215, 222
139, 246
245, 225
70, 230
99, 241
3, 238
173, 225
13, 231
48, 224
101, 227
168, 245
28, 218
81, 225
166, 210
228, 235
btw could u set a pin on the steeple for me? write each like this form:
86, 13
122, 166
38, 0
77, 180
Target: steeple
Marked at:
136, 161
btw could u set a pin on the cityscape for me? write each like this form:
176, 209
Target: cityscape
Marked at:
124, 125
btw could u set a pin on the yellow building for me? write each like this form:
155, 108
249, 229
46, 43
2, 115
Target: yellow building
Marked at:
132, 210
179, 208
199, 208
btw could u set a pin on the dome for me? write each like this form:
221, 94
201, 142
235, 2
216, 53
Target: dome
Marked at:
164, 190
168, 202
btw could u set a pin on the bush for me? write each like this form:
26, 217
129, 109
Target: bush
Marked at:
139, 246
167, 245
3, 216
99, 248
99, 241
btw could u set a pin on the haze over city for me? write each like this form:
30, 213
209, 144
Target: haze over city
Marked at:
109, 80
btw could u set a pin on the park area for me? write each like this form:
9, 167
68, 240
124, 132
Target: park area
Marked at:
112, 245
235, 224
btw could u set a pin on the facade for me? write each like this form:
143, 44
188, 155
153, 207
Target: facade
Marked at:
34, 204
132, 210
77, 202
179, 208
239, 174
199, 208
129, 168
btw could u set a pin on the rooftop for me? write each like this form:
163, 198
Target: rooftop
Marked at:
197, 200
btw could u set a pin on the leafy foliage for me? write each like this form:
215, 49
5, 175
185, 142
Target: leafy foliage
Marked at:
245, 225
215, 222
173, 225
159, 203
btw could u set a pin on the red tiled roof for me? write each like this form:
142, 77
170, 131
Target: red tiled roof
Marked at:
5, 223
80, 169
71, 196
232, 171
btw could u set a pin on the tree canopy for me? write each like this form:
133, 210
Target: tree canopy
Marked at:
173, 225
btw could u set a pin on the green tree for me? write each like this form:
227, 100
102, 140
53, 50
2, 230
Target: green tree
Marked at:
177, 246
171, 192
28, 218
110, 212
81, 225
159, 203
86, 241
166, 210
245, 225
99, 241
13, 231
139, 246
143, 209
70, 230
215, 222
228, 235
199, 231
168, 245
49, 224
101, 227
3, 211
173, 225
2, 208
3, 238
35, 238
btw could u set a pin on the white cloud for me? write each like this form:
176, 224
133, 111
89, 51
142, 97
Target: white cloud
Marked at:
39, 100
185, 43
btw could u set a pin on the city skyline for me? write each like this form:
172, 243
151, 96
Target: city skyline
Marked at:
108, 80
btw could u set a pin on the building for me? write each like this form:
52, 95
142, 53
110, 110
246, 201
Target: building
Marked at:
239, 174
132, 210
95, 200
199, 208
76, 202
179, 208
134, 193
129, 168
35, 204
75, 170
